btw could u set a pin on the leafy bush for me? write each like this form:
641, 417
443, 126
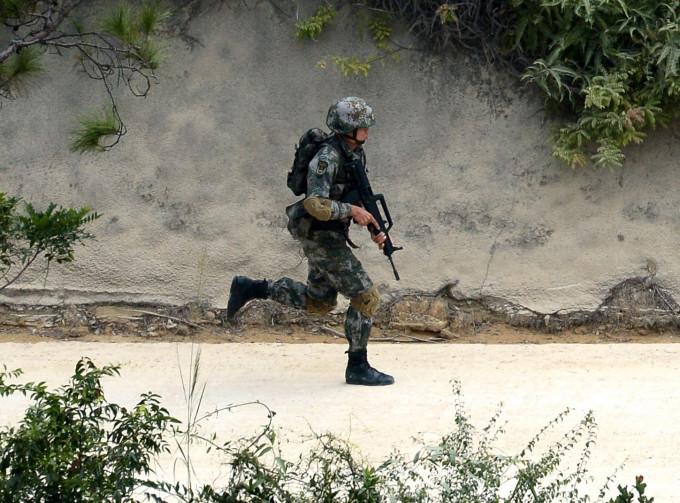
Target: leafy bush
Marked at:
626, 496
73, 446
376, 22
463, 466
26, 236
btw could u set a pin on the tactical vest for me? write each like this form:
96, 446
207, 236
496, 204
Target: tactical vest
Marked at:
301, 223
343, 182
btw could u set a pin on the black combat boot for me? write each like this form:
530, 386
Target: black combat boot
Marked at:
243, 290
360, 372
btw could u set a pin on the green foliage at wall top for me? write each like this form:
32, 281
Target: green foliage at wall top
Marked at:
376, 22
609, 70
312, 26
613, 64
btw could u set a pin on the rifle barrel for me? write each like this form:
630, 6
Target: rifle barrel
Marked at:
394, 269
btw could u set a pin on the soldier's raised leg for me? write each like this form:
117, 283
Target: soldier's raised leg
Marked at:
284, 291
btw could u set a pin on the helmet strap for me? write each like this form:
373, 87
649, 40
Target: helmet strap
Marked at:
353, 137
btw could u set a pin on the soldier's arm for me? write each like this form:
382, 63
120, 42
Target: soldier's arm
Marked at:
320, 178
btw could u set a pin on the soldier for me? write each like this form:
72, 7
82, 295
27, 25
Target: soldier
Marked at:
321, 222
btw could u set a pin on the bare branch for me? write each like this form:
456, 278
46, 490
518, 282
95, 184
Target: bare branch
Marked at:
56, 13
121, 54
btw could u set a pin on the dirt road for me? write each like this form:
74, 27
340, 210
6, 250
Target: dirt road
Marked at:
633, 389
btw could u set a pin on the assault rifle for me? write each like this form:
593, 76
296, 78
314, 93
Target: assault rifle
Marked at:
364, 194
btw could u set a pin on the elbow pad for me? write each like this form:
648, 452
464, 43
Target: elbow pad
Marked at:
319, 207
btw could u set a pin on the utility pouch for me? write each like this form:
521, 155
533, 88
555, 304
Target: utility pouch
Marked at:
299, 221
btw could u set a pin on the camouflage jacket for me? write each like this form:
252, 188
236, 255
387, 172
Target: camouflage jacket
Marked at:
327, 177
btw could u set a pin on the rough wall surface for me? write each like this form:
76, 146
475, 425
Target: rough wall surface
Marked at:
195, 192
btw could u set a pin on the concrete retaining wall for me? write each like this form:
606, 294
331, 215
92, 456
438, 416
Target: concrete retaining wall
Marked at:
195, 192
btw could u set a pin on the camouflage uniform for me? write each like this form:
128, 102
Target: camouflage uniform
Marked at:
333, 268
320, 222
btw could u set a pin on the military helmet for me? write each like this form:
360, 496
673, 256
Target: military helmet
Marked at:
348, 114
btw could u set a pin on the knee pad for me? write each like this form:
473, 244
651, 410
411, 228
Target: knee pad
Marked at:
317, 307
366, 303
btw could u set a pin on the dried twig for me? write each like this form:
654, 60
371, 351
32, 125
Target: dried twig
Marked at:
399, 338
407, 338
329, 330
174, 318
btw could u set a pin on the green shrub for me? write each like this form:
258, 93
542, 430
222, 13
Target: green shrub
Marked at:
464, 466
376, 22
26, 236
73, 446
626, 496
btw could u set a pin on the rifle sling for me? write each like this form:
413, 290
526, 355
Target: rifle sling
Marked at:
333, 226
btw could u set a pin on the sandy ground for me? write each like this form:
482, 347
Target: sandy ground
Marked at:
633, 389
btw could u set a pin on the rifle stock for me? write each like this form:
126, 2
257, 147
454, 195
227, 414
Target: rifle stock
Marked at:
364, 194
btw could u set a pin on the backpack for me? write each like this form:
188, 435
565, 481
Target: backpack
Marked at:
305, 150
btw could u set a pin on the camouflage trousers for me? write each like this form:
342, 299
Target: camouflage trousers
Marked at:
333, 269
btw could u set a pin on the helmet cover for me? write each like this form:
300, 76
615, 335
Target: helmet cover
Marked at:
348, 114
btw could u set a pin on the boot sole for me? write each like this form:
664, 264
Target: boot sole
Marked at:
360, 383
